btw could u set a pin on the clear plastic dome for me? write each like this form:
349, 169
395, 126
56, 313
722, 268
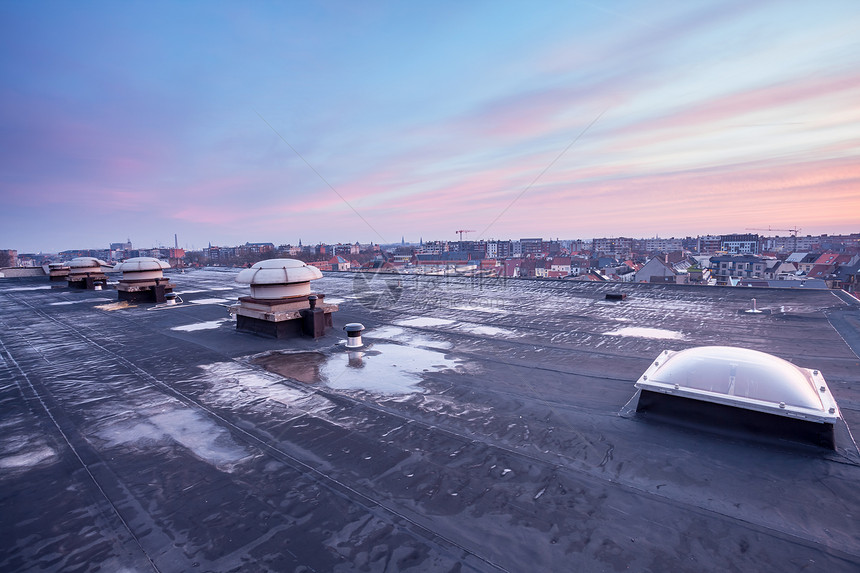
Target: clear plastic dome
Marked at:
742, 377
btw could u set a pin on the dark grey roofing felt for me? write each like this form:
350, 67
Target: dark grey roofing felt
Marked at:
479, 431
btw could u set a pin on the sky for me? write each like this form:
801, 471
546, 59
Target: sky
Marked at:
344, 121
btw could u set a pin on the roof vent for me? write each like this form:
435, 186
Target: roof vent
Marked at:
754, 310
281, 304
58, 271
774, 393
143, 280
353, 334
86, 273
279, 278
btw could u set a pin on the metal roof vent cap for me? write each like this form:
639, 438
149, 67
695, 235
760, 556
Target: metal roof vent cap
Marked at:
353, 334
80, 266
279, 278
142, 268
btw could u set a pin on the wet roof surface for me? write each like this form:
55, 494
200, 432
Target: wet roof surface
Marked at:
477, 431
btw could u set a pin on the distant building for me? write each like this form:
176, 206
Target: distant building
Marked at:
779, 270
532, 247
708, 244
655, 271
8, 257
433, 248
746, 244
560, 265
616, 246
663, 245
791, 243
339, 263
724, 267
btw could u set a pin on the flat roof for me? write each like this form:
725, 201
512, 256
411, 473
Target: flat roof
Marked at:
478, 430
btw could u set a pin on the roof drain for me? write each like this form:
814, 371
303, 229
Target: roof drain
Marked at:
738, 389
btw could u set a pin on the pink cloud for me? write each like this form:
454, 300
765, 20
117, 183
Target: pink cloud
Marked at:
735, 106
755, 194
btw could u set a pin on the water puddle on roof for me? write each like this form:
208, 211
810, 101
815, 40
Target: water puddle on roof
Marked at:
386, 369
412, 338
425, 321
208, 325
234, 383
301, 366
642, 332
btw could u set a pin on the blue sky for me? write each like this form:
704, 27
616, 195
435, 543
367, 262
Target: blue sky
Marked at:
347, 121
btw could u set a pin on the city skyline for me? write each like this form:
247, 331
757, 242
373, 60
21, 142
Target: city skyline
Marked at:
228, 122
455, 244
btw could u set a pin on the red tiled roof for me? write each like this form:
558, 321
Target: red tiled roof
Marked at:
820, 271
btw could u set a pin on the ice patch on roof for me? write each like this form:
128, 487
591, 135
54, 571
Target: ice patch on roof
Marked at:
64, 303
22, 289
642, 332
27, 459
209, 301
192, 291
424, 321
334, 300
192, 430
489, 309
486, 330
208, 325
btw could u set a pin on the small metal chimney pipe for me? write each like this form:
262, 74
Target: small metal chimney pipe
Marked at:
312, 300
353, 334
170, 298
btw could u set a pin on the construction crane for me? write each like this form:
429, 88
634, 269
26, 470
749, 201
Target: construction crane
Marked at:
793, 232
793, 235
461, 231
